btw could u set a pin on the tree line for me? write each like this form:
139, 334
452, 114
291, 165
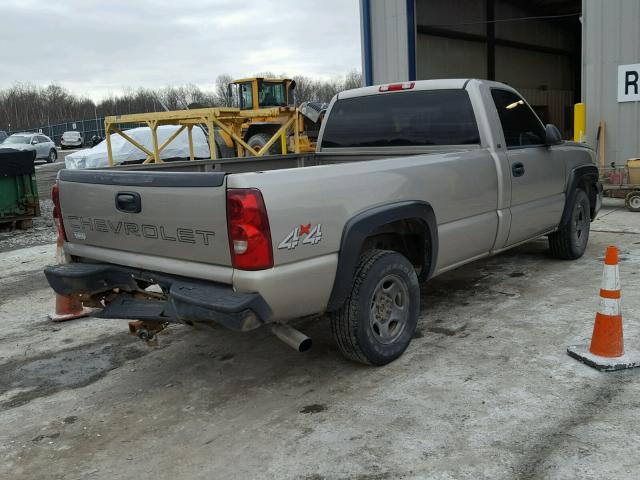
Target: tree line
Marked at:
26, 106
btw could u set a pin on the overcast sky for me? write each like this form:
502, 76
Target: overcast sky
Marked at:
97, 47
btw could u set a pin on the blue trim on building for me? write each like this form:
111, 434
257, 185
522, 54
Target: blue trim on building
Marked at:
411, 38
366, 31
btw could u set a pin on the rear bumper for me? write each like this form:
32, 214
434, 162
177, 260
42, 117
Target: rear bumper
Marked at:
184, 300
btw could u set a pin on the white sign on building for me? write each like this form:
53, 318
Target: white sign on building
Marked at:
629, 83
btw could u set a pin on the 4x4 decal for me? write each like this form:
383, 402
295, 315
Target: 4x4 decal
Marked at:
308, 234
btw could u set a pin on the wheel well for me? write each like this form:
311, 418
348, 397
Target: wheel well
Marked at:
586, 183
408, 237
408, 227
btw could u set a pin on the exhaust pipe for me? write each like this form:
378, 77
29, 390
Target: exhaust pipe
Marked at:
292, 337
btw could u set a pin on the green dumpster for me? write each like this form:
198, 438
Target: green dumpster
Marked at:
18, 189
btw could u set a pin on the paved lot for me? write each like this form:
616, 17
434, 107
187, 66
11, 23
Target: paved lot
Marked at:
486, 389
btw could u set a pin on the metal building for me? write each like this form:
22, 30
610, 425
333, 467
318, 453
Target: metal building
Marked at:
555, 52
611, 76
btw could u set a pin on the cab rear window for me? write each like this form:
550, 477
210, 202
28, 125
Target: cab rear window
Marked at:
419, 118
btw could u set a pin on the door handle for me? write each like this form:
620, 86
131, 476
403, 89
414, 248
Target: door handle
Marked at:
517, 169
128, 202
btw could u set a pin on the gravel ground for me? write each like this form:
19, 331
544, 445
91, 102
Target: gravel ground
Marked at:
486, 389
43, 231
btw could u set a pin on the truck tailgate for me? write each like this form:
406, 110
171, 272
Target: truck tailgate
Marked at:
180, 215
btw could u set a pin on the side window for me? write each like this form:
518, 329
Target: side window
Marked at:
34, 138
272, 95
43, 139
246, 96
520, 125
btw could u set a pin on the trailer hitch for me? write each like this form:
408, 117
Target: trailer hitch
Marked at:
146, 330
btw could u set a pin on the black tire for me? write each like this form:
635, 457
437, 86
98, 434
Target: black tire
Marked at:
570, 241
359, 325
53, 156
259, 140
632, 201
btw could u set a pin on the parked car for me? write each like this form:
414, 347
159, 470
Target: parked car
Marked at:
409, 180
42, 145
3, 136
71, 139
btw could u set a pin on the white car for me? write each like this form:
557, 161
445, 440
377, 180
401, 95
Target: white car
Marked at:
42, 145
71, 139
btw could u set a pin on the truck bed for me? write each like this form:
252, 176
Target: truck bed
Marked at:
277, 162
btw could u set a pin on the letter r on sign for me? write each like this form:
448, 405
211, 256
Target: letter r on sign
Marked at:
631, 80
629, 83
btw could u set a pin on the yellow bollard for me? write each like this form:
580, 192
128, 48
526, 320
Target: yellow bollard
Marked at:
579, 122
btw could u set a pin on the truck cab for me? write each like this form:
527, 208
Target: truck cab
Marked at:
258, 92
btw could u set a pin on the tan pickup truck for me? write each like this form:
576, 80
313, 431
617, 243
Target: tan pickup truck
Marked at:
409, 180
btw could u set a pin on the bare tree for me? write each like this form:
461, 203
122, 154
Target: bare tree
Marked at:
24, 106
223, 95
353, 79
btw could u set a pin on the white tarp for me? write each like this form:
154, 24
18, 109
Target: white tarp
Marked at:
124, 151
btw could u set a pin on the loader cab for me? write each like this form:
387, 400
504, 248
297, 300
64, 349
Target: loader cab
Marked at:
256, 93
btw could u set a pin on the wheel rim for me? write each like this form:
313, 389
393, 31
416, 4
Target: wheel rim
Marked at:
52, 156
634, 201
580, 223
389, 309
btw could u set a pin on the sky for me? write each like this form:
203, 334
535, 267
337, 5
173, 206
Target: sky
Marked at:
97, 48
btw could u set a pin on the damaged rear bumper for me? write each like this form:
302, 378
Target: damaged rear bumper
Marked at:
184, 300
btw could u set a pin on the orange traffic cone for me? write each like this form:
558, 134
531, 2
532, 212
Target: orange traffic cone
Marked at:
67, 308
606, 351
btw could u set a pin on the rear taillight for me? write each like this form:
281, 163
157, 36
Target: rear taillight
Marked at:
249, 235
57, 212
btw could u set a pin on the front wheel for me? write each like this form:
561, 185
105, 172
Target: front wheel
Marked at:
259, 140
377, 321
570, 241
53, 156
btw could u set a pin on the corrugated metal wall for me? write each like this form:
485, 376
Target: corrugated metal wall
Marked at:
545, 78
557, 103
611, 37
389, 49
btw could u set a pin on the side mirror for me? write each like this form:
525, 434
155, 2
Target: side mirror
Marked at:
552, 135
34, 142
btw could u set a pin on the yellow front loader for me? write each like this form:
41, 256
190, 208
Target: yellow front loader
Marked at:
263, 121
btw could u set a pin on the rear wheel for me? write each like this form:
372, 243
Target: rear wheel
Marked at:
53, 156
259, 140
633, 201
570, 241
377, 321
